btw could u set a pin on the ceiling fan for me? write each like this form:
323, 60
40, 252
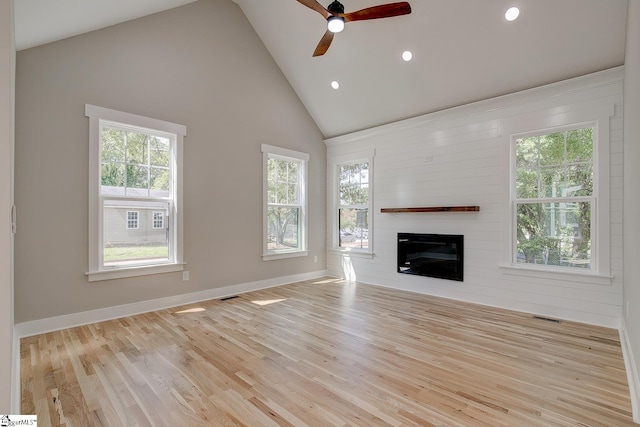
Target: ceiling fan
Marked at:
336, 18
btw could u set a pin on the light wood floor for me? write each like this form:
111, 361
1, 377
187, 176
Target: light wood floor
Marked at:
327, 353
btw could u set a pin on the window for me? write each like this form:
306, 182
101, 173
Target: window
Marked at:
351, 187
555, 198
132, 219
135, 172
158, 220
353, 206
285, 203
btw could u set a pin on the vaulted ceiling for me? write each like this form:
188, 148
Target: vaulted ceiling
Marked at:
463, 50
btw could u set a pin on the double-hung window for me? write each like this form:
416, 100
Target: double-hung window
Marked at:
351, 183
554, 203
135, 226
285, 203
353, 205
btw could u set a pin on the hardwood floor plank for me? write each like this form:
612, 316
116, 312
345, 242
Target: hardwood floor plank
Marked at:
327, 353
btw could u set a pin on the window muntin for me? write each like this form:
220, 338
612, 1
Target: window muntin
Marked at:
135, 165
554, 203
353, 205
285, 202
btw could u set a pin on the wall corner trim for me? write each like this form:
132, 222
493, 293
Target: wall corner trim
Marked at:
632, 373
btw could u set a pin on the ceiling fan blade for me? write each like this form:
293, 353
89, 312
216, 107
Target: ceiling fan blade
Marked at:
314, 5
324, 44
376, 12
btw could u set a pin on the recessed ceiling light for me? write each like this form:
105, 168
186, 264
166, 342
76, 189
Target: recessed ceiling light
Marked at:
407, 55
335, 84
512, 14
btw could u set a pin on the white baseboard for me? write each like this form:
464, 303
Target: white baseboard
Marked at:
16, 390
632, 372
35, 327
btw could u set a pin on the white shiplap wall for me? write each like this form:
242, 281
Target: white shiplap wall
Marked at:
461, 157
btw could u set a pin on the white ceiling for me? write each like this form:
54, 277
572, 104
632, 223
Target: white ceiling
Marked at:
464, 50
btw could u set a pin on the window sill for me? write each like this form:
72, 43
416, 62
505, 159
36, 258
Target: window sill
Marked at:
590, 277
353, 253
121, 273
284, 255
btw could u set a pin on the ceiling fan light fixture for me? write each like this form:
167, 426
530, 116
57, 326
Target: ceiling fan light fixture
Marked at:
335, 24
336, 17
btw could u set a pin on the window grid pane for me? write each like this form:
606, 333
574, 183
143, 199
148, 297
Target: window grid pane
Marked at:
555, 165
283, 228
134, 163
554, 234
283, 181
353, 228
354, 184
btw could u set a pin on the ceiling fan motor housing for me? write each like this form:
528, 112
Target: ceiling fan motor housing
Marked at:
335, 7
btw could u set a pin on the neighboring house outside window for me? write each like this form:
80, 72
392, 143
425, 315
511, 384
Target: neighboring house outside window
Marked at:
135, 171
351, 186
554, 198
285, 203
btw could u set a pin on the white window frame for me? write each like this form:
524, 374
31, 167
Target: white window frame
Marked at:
334, 195
549, 121
270, 151
592, 199
160, 221
97, 271
130, 220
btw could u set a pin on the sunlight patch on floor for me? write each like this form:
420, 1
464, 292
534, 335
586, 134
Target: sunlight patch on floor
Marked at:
324, 282
267, 301
349, 293
191, 310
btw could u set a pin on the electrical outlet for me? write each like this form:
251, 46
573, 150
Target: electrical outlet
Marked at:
185, 275
315, 258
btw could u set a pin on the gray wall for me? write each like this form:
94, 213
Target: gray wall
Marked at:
200, 65
631, 311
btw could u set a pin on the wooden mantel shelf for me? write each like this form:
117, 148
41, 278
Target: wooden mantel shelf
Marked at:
433, 209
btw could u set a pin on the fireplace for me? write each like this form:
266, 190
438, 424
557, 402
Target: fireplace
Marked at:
432, 255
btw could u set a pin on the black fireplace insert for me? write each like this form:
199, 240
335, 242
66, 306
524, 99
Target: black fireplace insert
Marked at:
432, 255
